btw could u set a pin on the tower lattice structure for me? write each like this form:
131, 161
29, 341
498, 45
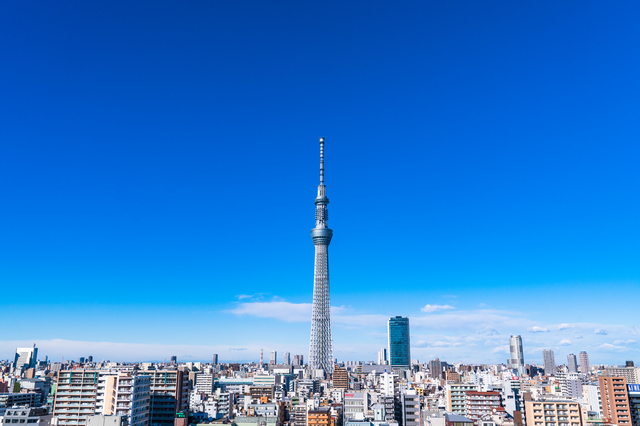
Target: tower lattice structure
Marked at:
321, 346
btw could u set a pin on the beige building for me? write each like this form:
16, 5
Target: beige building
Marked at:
552, 413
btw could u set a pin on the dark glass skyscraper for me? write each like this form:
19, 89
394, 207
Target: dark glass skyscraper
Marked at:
399, 344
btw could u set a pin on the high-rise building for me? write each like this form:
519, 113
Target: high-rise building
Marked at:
174, 359
572, 363
615, 401
215, 359
321, 345
549, 362
26, 358
382, 356
75, 396
435, 369
584, 362
287, 359
90, 358
298, 360
516, 362
399, 343
128, 396
273, 358
169, 395
340, 378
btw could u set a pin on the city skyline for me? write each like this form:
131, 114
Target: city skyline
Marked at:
483, 174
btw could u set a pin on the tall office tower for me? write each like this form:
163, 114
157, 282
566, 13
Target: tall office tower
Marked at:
298, 360
90, 358
25, 357
584, 362
516, 362
174, 359
399, 344
273, 358
572, 363
215, 359
287, 358
549, 362
320, 347
382, 356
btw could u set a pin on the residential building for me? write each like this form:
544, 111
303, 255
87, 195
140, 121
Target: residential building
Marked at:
549, 362
8, 400
340, 378
169, 395
273, 358
287, 358
399, 342
319, 417
299, 361
456, 396
128, 396
215, 359
631, 374
75, 397
552, 413
572, 363
410, 409
479, 404
584, 362
435, 369
615, 401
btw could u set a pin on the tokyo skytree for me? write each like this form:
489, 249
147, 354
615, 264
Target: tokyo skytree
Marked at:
320, 348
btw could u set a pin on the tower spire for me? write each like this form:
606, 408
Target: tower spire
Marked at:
321, 161
321, 345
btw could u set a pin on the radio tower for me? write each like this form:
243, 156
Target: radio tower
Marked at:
320, 348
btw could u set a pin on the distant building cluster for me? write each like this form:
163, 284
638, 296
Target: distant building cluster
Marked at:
395, 391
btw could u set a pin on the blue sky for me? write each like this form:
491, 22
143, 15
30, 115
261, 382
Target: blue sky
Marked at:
159, 165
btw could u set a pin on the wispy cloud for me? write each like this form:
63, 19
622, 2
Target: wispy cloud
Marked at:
625, 342
565, 342
564, 326
435, 308
610, 347
601, 331
537, 329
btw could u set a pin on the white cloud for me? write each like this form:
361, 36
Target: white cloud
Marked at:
435, 308
564, 326
565, 342
436, 344
601, 331
504, 349
625, 342
244, 296
537, 329
610, 347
